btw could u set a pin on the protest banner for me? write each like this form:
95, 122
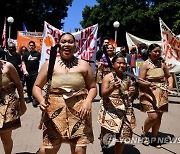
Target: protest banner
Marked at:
170, 47
86, 41
4, 34
23, 39
134, 40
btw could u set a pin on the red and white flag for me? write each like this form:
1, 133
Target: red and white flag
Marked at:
4, 34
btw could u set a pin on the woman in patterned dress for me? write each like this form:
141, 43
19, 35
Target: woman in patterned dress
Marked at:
11, 108
68, 112
116, 115
153, 100
103, 67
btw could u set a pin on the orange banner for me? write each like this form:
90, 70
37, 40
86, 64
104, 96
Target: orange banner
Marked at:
23, 39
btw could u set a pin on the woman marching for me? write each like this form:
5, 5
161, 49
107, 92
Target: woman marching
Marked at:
116, 115
68, 112
153, 100
103, 67
11, 107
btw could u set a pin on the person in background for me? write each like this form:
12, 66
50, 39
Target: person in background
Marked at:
131, 60
110, 52
138, 55
68, 116
22, 50
124, 53
133, 53
13, 57
100, 53
116, 115
141, 56
142, 49
129, 55
11, 107
103, 66
30, 66
153, 100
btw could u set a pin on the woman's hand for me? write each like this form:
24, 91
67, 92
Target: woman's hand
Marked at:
85, 110
43, 105
152, 86
116, 85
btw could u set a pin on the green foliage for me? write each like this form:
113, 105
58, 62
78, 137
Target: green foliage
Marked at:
138, 17
34, 12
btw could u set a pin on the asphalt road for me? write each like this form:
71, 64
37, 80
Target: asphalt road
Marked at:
28, 138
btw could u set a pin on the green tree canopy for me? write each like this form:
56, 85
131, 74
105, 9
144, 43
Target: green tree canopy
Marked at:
33, 13
138, 17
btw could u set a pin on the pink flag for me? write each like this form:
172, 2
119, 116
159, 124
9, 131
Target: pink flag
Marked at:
4, 34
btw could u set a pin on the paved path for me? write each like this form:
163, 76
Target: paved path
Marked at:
27, 139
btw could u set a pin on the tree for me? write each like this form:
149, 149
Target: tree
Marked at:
33, 13
138, 17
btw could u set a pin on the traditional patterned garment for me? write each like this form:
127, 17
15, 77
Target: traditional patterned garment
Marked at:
101, 72
103, 69
9, 105
62, 122
154, 99
116, 116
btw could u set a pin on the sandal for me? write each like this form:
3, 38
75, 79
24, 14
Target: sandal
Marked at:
155, 144
145, 138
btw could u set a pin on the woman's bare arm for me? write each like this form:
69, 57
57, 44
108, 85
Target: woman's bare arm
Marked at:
106, 88
40, 82
92, 90
168, 76
142, 75
16, 80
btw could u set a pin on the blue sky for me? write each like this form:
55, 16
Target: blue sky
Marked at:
74, 17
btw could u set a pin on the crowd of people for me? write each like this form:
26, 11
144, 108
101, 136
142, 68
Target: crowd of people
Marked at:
122, 77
